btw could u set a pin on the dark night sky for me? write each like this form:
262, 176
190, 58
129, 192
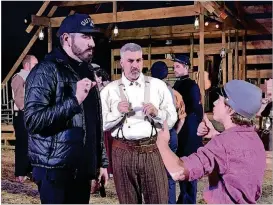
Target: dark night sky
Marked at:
15, 38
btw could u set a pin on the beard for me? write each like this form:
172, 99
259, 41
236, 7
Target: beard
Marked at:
135, 73
83, 55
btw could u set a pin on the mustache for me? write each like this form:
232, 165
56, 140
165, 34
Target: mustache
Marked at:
135, 69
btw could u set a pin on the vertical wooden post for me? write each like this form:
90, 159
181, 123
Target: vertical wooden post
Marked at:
230, 65
201, 55
244, 57
224, 66
114, 11
49, 36
236, 62
230, 52
191, 55
112, 65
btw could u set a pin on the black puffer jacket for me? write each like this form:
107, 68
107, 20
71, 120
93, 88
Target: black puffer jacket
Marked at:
54, 119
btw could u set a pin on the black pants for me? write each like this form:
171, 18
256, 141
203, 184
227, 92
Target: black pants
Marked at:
22, 164
61, 186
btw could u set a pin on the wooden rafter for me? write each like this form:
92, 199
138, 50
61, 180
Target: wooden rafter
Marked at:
39, 13
27, 48
138, 15
250, 23
76, 3
212, 48
258, 9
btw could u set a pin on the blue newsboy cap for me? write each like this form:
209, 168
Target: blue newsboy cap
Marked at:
77, 23
159, 70
243, 97
182, 59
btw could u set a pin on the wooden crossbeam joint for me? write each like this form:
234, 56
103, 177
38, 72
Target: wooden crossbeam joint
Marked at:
40, 20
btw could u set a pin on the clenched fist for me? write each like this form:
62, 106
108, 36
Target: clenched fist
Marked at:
123, 107
83, 87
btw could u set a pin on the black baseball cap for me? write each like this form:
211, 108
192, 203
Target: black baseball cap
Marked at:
182, 59
78, 23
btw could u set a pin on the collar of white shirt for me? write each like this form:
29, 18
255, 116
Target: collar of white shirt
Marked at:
140, 81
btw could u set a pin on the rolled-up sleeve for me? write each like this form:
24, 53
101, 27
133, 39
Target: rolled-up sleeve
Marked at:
111, 115
212, 155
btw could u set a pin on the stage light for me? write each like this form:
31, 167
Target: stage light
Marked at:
41, 35
116, 30
196, 23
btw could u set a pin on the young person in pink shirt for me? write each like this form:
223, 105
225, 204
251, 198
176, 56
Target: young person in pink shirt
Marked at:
235, 159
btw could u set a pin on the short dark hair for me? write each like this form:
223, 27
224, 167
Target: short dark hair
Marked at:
100, 72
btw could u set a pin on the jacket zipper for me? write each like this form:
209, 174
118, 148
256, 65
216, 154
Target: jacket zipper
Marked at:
83, 115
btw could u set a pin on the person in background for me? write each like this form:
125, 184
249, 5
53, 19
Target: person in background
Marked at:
22, 163
188, 141
134, 108
63, 117
159, 70
102, 79
234, 160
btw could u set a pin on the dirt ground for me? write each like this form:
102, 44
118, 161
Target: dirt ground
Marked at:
16, 193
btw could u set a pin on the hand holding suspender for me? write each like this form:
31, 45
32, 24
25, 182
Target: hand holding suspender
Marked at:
132, 113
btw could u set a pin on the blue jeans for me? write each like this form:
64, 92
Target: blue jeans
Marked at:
172, 185
188, 191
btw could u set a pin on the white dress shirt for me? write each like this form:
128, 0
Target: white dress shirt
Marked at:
132, 128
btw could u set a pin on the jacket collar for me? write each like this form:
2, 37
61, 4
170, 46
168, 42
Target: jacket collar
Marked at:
140, 81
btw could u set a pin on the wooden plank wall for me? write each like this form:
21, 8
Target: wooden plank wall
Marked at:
210, 49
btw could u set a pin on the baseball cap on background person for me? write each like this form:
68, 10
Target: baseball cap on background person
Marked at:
243, 97
182, 59
78, 23
159, 70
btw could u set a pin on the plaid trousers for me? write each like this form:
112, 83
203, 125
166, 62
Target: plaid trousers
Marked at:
137, 174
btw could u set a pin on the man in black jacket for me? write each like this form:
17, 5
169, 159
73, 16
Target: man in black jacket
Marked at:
188, 141
63, 117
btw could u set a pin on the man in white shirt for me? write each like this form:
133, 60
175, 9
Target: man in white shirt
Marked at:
134, 109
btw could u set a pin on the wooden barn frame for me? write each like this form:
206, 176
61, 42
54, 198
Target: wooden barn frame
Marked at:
234, 31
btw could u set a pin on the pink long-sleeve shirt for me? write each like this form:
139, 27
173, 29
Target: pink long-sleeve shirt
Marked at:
235, 162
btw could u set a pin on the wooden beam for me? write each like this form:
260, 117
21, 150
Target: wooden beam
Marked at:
243, 60
257, 59
23, 54
28, 47
212, 48
201, 56
49, 39
230, 65
7, 128
172, 32
266, 73
224, 69
168, 62
236, 59
40, 20
114, 11
258, 9
39, 13
259, 73
76, 3
191, 54
266, 23
138, 15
